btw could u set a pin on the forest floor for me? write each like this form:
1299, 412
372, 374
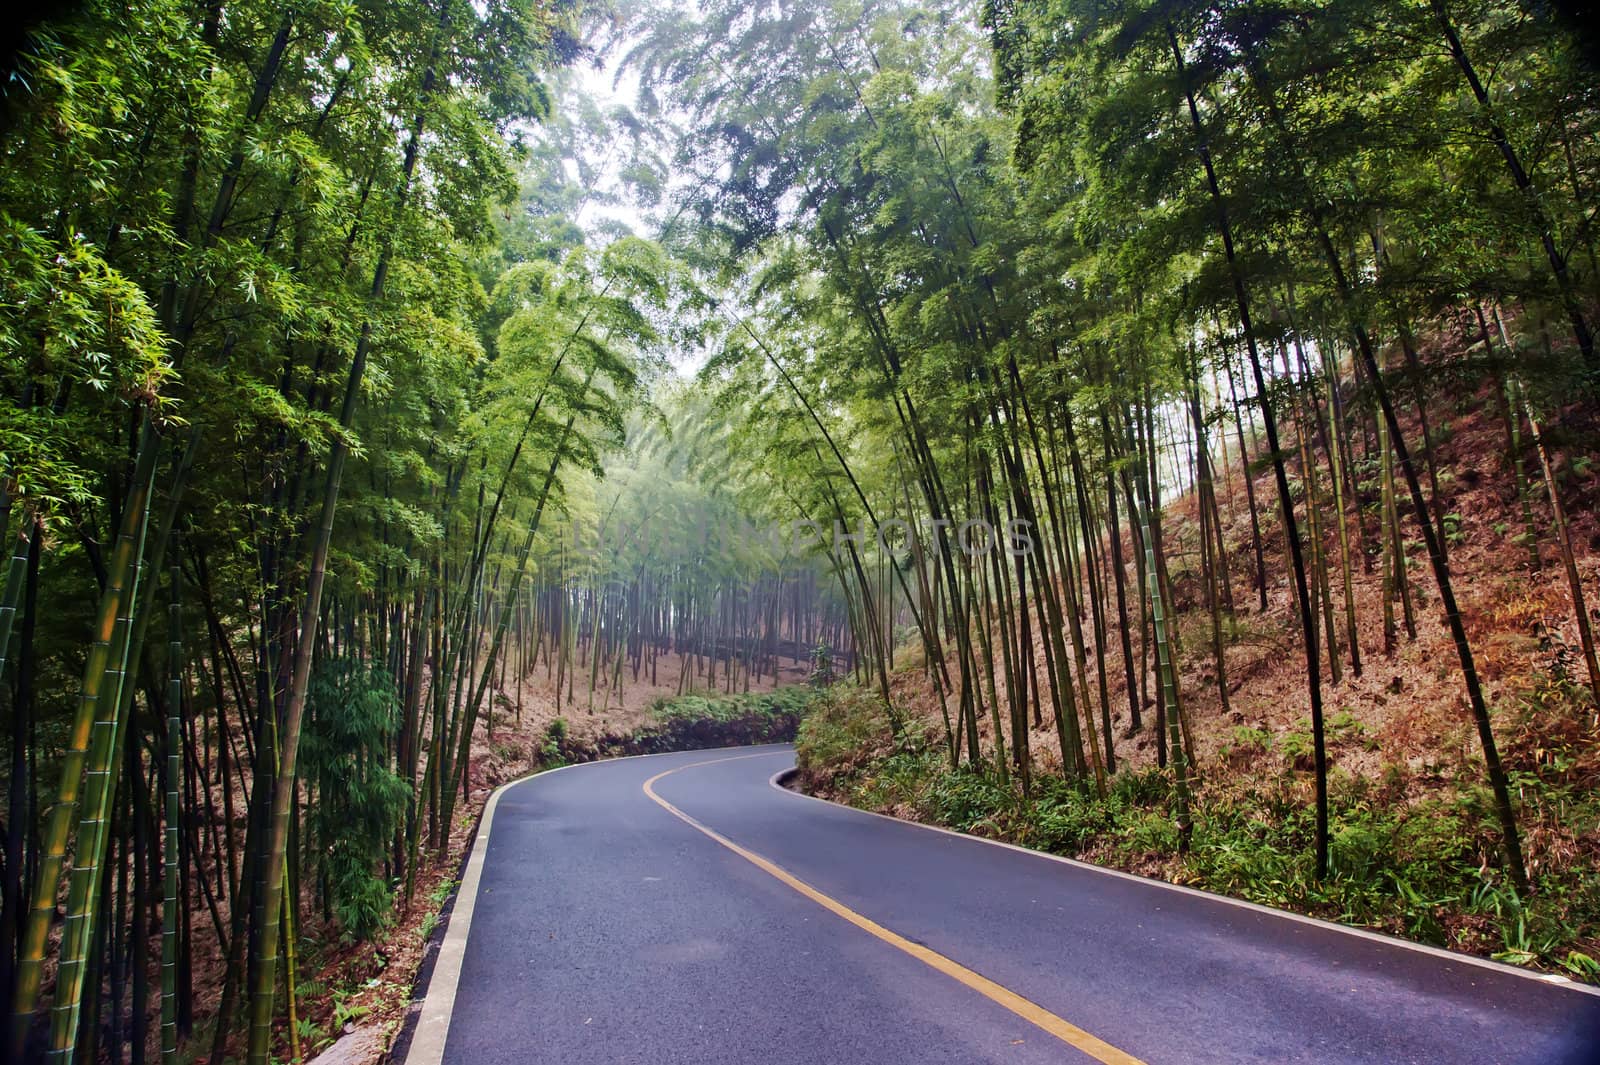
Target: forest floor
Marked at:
1415, 848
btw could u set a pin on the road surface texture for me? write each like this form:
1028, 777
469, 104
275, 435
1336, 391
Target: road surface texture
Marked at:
682, 908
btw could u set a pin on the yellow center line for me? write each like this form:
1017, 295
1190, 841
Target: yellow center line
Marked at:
1027, 1009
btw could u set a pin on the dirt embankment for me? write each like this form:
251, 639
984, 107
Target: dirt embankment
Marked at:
1410, 704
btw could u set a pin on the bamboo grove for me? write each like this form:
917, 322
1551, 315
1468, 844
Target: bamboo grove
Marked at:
304, 360
329, 425
1065, 263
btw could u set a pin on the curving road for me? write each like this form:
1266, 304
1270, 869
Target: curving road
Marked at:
682, 908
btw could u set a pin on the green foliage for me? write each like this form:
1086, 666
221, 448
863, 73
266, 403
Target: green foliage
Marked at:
895, 781
550, 751
693, 723
442, 890
821, 674
1297, 746
311, 1033
972, 800
75, 322
782, 701
360, 800
1417, 868
844, 729
344, 1010
1246, 742
1343, 726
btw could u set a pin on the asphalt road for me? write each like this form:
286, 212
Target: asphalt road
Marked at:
607, 928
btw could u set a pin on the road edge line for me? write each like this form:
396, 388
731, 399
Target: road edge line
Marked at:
433, 1020
1555, 980
432, 1026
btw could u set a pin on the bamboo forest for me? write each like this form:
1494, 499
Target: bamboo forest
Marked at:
1156, 433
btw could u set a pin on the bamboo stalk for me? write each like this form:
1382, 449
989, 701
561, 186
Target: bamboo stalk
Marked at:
171, 850
94, 702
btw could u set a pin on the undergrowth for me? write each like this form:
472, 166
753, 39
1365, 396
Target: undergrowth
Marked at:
689, 723
1407, 858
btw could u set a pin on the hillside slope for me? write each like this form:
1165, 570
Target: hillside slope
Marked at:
1414, 843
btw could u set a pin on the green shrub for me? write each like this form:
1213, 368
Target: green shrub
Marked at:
1297, 748
1244, 743
351, 712
1067, 823
901, 779
698, 722
1356, 851
845, 727
552, 752
970, 799
1148, 832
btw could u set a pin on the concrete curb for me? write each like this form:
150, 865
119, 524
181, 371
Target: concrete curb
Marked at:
432, 1022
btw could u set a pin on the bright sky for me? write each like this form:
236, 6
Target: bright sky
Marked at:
609, 87
603, 87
